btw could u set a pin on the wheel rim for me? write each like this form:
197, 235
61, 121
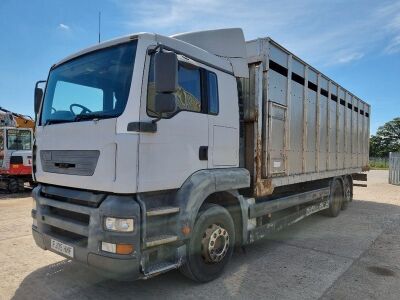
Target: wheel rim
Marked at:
348, 194
214, 244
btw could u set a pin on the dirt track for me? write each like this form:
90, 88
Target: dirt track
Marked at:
356, 255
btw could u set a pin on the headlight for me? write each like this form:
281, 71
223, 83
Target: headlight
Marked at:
33, 204
116, 224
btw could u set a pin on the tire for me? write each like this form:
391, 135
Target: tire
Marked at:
21, 185
335, 199
12, 185
211, 245
348, 192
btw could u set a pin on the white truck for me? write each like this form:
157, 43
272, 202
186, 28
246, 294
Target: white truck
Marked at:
154, 153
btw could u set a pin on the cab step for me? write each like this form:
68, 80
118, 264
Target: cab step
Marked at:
160, 268
160, 211
160, 240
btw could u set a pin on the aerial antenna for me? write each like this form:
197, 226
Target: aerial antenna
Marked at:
99, 26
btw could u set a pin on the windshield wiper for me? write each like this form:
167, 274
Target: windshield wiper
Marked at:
56, 121
90, 116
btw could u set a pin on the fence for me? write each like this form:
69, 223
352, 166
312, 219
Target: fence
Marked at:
379, 162
394, 168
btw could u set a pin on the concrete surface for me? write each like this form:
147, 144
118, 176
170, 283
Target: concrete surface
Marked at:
353, 256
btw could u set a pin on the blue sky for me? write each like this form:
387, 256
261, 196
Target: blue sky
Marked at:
356, 43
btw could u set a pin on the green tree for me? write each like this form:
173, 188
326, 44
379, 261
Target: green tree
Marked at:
387, 139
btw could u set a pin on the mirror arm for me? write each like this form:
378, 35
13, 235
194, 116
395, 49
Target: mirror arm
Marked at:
159, 117
152, 51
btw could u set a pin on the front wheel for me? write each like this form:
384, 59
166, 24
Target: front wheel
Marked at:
211, 245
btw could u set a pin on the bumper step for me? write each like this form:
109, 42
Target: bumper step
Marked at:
160, 240
160, 211
160, 268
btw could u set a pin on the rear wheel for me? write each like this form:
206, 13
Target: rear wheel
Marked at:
335, 199
12, 185
348, 192
21, 185
211, 245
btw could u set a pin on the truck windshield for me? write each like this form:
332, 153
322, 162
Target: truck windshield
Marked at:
92, 86
19, 139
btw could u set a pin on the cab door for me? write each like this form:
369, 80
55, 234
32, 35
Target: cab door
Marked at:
179, 147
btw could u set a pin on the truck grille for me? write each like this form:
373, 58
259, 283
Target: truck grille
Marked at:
70, 215
70, 162
66, 219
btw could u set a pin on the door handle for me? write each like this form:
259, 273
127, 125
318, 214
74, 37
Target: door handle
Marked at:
203, 153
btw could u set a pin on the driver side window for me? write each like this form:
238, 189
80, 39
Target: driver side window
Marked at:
189, 92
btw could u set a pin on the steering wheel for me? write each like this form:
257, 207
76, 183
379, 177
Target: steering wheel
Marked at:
53, 110
85, 110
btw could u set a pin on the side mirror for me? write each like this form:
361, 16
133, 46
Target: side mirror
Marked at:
166, 72
38, 96
38, 99
165, 103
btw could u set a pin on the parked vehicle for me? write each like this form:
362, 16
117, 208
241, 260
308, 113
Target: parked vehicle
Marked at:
155, 153
15, 151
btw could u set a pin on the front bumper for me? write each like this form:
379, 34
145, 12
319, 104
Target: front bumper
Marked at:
81, 226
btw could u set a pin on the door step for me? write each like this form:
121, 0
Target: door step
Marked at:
160, 268
160, 211
160, 240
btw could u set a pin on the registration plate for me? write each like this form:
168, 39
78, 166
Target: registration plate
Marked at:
62, 248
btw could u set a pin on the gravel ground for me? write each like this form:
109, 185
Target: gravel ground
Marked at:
356, 255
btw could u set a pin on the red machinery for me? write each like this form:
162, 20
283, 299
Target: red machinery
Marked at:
16, 139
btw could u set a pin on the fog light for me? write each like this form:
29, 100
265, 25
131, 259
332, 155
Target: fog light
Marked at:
116, 224
108, 247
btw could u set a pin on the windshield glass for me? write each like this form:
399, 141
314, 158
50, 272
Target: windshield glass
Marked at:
95, 85
19, 139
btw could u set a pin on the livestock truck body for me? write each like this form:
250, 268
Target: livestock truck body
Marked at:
154, 153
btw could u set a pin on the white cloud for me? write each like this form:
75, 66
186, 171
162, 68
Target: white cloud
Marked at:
63, 26
392, 12
321, 32
350, 57
394, 46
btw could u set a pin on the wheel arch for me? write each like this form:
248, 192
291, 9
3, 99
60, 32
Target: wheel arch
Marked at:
218, 186
237, 208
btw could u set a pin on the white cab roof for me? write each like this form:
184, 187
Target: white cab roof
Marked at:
209, 46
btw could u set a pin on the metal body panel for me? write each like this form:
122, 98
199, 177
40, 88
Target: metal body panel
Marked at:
325, 128
394, 168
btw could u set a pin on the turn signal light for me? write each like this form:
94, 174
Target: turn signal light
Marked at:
124, 249
117, 248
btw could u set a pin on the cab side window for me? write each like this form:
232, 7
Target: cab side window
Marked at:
197, 90
212, 95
